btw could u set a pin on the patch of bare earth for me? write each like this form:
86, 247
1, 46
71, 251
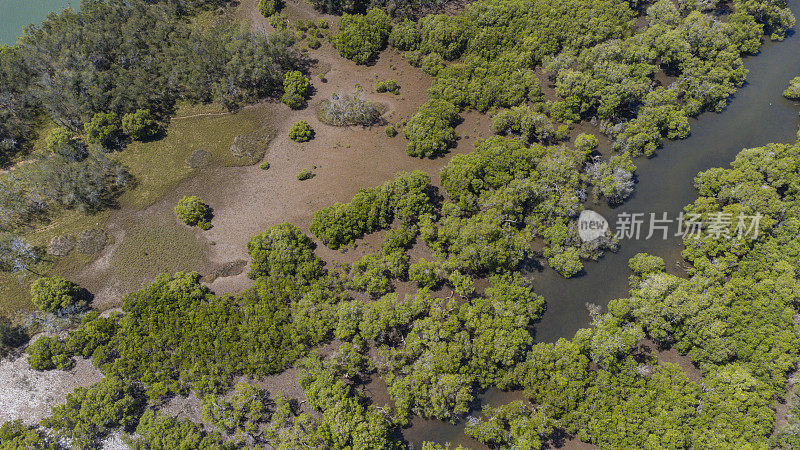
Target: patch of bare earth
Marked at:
29, 395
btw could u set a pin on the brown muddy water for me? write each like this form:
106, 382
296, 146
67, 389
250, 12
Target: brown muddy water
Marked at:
757, 115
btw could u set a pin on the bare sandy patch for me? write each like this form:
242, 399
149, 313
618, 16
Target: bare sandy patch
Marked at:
28, 395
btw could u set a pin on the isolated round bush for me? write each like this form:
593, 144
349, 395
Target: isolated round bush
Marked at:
55, 293
301, 131
104, 130
192, 211
296, 89
313, 42
139, 125
305, 174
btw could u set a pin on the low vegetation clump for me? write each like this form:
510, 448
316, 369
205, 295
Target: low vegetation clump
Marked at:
264, 165
296, 89
390, 131
387, 86
56, 293
305, 174
313, 42
193, 212
269, 8
361, 36
301, 131
404, 198
792, 92
349, 109
431, 131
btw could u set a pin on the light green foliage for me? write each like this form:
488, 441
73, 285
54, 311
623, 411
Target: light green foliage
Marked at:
404, 198
264, 165
387, 86
296, 89
793, 90
139, 125
585, 143
425, 273
305, 174
56, 293
283, 251
47, 353
104, 129
345, 422
313, 42
15, 435
612, 179
531, 124
515, 425
360, 37
301, 132
448, 349
643, 264
462, 284
432, 64
158, 431
91, 413
62, 142
405, 36
269, 7
431, 130
192, 211
390, 131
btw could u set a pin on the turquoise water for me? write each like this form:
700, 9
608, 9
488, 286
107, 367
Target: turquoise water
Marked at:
16, 14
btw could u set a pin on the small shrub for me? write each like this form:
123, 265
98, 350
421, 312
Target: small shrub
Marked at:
264, 165
269, 7
360, 36
296, 89
300, 25
390, 131
322, 23
301, 132
192, 211
103, 129
388, 86
139, 125
313, 42
343, 110
793, 91
56, 293
305, 174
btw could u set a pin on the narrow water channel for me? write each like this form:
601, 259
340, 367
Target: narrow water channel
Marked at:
757, 115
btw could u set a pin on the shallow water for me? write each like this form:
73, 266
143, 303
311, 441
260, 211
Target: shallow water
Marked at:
16, 14
757, 115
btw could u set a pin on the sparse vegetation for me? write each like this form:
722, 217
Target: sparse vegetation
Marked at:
387, 86
349, 109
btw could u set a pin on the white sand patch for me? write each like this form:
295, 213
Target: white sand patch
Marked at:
28, 395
